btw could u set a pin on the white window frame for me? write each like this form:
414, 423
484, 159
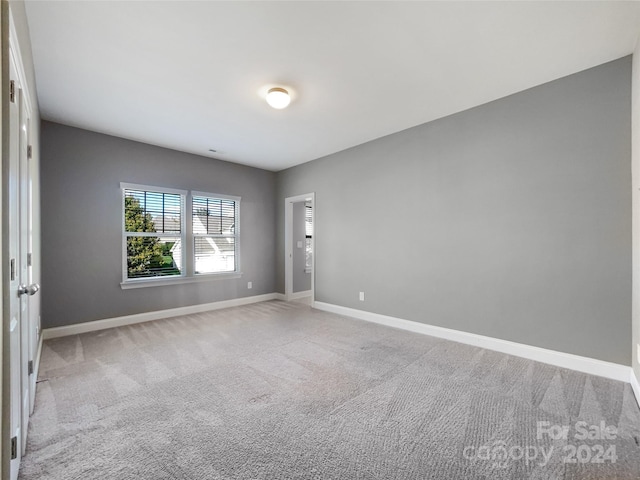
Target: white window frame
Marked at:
236, 230
186, 238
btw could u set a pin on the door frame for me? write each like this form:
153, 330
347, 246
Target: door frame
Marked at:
288, 244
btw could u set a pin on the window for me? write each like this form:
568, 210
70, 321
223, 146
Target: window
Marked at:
214, 234
163, 245
308, 230
152, 229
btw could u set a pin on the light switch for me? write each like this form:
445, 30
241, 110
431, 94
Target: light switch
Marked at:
299, 243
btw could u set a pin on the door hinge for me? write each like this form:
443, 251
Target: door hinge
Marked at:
29, 259
13, 269
14, 448
29, 152
30, 367
12, 91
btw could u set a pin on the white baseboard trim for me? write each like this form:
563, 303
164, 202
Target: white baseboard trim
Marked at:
560, 359
280, 296
96, 325
297, 295
635, 386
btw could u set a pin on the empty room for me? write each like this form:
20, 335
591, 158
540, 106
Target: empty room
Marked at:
320, 240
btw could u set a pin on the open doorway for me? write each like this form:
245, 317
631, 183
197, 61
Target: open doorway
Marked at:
300, 247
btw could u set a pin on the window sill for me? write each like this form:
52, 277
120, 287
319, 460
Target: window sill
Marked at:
159, 282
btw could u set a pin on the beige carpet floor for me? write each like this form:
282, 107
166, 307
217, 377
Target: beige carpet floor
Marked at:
281, 391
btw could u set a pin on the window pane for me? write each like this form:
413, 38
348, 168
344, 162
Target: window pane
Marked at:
147, 211
308, 260
213, 216
153, 257
215, 254
308, 221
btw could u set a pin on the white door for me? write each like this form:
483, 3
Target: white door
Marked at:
26, 334
22, 335
34, 301
15, 299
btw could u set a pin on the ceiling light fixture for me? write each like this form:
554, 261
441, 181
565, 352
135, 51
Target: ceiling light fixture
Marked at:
278, 98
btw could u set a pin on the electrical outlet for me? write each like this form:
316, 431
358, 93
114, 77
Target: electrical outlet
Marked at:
362, 296
250, 285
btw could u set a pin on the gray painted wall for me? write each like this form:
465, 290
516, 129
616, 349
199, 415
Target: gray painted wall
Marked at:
81, 224
511, 220
301, 279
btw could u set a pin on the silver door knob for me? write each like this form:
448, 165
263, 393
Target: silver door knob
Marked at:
30, 290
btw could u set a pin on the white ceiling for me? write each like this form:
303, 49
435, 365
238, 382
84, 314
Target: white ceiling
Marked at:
188, 75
